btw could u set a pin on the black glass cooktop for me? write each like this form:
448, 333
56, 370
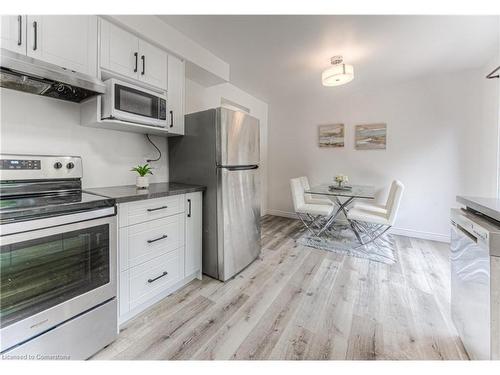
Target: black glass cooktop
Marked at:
20, 208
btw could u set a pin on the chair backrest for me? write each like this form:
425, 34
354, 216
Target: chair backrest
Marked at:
305, 185
394, 200
390, 197
297, 192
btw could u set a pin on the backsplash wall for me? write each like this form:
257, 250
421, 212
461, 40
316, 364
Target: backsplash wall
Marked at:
31, 124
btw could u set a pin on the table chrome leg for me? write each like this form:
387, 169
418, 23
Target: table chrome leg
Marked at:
342, 208
355, 230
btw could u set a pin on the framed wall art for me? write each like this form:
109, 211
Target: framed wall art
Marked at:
331, 135
371, 137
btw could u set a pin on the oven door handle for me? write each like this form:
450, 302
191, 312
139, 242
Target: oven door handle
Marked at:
24, 228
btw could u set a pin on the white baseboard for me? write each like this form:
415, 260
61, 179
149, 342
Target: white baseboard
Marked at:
398, 231
420, 234
290, 215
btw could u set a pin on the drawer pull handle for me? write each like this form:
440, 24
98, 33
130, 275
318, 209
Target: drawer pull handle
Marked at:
158, 239
165, 273
157, 208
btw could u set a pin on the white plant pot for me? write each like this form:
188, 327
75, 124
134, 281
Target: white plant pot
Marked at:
142, 182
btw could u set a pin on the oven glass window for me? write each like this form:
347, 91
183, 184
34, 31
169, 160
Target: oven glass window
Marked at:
41, 273
137, 102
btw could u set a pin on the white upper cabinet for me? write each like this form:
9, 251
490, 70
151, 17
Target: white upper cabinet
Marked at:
119, 50
125, 54
152, 65
67, 41
13, 33
175, 95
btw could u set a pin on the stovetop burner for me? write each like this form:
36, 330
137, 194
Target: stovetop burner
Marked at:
34, 187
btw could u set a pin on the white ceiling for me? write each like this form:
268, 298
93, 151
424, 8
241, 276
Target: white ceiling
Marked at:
271, 56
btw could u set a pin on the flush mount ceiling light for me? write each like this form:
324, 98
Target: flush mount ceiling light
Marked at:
338, 74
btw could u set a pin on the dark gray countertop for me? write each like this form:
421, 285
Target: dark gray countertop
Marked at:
130, 193
487, 206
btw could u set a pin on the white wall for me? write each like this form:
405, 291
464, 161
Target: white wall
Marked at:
32, 124
199, 98
441, 141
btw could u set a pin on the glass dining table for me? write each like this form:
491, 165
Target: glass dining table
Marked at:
336, 195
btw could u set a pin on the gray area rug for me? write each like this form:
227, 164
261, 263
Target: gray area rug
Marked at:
341, 239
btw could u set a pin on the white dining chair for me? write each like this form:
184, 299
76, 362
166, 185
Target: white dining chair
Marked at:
377, 207
374, 220
308, 213
311, 198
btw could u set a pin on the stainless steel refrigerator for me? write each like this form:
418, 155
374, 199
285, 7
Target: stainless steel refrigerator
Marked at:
220, 149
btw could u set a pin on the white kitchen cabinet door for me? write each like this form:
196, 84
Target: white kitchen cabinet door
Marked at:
67, 41
152, 65
193, 243
119, 50
13, 33
175, 93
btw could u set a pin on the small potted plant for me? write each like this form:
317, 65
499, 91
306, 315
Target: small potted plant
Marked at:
142, 179
341, 180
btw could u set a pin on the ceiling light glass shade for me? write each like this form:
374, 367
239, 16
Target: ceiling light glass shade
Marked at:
337, 75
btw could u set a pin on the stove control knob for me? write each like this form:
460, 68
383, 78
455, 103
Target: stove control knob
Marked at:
70, 165
57, 165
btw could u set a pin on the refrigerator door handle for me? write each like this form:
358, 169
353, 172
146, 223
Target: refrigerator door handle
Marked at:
239, 167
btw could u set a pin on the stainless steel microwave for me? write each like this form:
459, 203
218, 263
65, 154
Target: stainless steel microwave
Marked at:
127, 102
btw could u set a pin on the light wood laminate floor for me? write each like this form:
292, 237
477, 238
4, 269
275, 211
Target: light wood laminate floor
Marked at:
296, 302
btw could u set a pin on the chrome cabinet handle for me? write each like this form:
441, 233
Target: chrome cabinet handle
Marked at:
20, 33
158, 239
35, 33
165, 273
157, 208
189, 207
480, 235
143, 58
136, 54
171, 119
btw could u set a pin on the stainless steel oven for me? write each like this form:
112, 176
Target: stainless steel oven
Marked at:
53, 274
58, 256
126, 102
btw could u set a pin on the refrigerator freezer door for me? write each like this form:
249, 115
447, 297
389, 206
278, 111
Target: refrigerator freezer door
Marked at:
239, 219
238, 140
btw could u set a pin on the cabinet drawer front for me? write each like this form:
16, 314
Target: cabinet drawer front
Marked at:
150, 209
151, 278
142, 242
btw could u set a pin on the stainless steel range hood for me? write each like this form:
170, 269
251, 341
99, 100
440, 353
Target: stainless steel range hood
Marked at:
23, 73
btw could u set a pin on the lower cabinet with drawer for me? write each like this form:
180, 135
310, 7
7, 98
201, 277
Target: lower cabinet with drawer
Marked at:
159, 247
